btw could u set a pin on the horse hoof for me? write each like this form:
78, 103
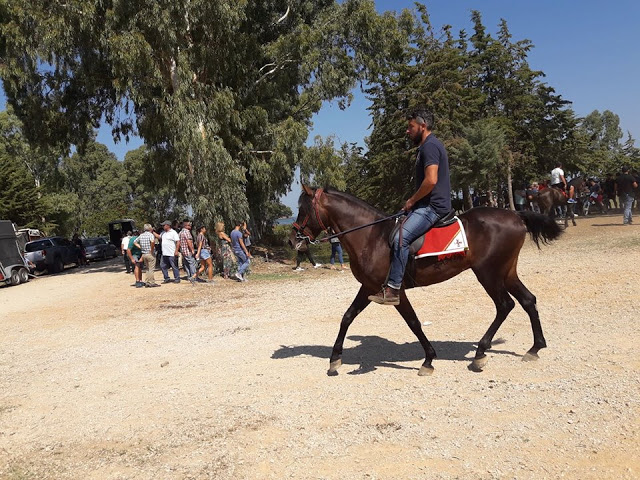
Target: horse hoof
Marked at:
478, 364
425, 371
334, 366
530, 357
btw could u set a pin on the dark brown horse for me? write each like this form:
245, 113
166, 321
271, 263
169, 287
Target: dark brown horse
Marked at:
495, 238
551, 198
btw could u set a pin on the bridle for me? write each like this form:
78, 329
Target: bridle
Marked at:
303, 232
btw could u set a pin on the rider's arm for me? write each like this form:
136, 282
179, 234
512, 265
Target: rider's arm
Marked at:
430, 180
563, 181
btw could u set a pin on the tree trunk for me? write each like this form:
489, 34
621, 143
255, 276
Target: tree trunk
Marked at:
509, 181
467, 202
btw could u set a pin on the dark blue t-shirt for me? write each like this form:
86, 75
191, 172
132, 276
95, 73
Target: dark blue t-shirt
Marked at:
432, 152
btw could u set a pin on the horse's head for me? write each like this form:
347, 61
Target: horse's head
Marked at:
311, 219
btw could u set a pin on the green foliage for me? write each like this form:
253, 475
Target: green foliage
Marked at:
322, 164
221, 91
279, 235
477, 156
489, 107
19, 197
23, 199
604, 153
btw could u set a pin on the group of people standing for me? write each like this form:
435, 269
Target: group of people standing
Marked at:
166, 245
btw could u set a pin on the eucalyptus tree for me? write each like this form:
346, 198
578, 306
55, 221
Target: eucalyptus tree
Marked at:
221, 91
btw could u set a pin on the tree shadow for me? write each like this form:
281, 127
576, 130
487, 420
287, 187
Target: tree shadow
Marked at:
112, 265
374, 351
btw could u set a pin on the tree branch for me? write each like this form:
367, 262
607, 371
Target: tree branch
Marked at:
282, 18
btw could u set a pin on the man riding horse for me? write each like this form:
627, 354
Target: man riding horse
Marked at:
558, 181
430, 202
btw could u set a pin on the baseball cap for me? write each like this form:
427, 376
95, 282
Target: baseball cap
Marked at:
166, 222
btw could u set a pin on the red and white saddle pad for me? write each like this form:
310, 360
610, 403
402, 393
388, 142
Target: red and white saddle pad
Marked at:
444, 241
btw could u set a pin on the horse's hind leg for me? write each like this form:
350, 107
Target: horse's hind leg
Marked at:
528, 302
358, 305
571, 210
408, 313
493, 283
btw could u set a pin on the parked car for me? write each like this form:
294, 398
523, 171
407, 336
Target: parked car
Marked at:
98, 248
51, 254
14, 269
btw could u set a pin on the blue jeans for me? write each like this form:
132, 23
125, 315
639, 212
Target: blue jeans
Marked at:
189, 264
243, 262
627, 202
169, 261
417, 222
336, 248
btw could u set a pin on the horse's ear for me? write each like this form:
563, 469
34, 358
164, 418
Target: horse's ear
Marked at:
308, 190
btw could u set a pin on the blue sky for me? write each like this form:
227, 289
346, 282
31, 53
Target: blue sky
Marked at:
587, 49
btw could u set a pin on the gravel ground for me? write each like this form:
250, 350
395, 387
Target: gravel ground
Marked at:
99, 380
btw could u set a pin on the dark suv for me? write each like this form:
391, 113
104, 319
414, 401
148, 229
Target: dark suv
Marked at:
51, 253
98, 247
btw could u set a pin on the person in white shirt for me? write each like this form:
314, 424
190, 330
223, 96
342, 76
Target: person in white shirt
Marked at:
170, 242
558, 181
124, 244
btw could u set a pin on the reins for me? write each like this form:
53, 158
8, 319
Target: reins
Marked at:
390, 217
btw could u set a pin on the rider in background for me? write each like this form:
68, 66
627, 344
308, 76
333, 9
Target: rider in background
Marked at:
558, 181
430, 202
532, 196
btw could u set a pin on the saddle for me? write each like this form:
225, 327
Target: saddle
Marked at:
445, 237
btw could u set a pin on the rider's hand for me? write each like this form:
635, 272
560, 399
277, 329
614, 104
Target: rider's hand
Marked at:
408, 205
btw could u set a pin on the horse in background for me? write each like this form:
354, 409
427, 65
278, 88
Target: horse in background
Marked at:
551, 198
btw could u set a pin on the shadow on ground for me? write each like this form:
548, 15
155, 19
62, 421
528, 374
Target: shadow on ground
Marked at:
374, 351
610, 225
113, 265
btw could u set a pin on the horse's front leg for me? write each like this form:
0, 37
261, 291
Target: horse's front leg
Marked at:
358, 305
406, 310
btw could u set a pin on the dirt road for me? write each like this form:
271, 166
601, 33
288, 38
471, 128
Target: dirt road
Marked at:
99, 380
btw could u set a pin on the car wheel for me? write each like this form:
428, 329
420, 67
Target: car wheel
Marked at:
15, 278
23, 275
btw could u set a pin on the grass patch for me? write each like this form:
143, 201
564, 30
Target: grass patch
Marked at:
271, 276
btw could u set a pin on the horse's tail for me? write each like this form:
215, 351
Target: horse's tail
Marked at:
541, 227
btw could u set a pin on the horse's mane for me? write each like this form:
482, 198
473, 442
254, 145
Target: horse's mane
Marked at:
348, 197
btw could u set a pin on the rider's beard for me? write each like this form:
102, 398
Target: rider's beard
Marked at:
416, 138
